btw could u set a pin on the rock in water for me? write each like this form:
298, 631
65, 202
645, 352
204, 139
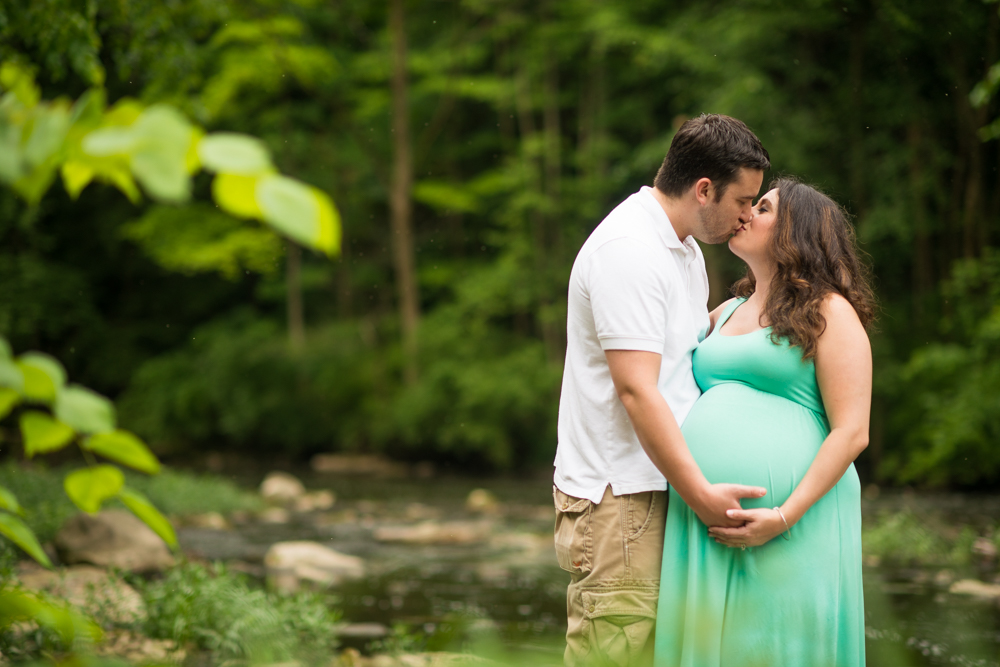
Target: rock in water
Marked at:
432, 532
482, 501
112, 538
290, 563
976, 588
280, 488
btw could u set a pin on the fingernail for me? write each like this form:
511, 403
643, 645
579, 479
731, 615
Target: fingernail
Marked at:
729, 513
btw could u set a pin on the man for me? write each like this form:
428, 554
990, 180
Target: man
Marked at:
638, 298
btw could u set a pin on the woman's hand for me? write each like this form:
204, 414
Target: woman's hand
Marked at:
762, 526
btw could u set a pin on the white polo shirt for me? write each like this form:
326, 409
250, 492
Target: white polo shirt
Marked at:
634, 286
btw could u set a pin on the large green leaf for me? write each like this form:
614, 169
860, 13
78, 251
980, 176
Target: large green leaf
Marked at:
125, 448
109, 141
43, 376
8, 399
18, 532
19, 605
41, 433
8, 501
236, 194
151, 516
85, 410
300, 212
88, 488
11, 375
234, 154
160, 156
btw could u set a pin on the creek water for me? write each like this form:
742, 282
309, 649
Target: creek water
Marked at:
501, 593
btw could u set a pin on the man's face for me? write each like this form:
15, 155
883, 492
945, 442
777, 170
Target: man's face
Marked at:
718, 220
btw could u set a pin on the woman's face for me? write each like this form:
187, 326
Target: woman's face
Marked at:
751, 240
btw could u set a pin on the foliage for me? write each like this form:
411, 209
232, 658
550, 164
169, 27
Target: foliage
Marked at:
31, 624
238, 381
531, 121
952, 389
903, 538
215, 610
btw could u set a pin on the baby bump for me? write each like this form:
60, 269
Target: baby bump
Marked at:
741, 435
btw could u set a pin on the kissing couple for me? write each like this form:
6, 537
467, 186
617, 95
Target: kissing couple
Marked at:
752, 413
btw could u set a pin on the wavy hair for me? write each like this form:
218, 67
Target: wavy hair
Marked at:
815, 253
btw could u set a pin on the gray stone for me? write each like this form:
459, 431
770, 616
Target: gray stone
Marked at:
433, 532
291, 563
281, 488
112, 538
975, 588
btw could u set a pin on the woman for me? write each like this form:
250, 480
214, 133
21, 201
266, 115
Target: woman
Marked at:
786, 376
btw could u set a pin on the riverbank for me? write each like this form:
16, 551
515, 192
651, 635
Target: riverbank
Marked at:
459, 565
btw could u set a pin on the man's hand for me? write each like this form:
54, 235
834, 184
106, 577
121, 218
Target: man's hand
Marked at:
715, 500
761, 526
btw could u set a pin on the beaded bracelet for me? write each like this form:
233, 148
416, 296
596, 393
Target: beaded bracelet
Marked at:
787, 527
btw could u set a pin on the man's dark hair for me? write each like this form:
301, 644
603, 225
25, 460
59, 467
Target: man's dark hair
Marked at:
710, 146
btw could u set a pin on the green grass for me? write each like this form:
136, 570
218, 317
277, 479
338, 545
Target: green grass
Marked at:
219, 612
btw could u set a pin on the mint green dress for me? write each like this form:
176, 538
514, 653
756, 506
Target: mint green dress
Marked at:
788, 603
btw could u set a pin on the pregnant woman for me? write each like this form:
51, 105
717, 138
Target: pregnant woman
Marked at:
786, 376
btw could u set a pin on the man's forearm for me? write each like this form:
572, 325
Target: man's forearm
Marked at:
661, 438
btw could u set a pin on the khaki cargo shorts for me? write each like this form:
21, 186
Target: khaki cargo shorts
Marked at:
612, 551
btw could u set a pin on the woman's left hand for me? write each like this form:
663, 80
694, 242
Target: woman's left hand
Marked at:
762, 526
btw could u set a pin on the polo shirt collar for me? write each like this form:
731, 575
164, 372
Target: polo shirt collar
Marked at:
662, 222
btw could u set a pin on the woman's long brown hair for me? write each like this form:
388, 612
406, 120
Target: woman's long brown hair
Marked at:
815, 252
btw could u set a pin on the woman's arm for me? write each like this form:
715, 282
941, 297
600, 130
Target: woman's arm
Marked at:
844, 375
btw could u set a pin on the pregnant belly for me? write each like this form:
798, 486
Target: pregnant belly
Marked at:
741, 435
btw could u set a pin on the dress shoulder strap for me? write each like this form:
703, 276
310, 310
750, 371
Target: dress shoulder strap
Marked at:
728, 312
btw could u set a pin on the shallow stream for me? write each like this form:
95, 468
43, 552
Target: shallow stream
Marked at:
502, 593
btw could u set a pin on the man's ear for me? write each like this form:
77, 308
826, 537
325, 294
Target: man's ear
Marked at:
703, 190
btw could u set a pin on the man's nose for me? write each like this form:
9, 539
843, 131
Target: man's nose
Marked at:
747, 216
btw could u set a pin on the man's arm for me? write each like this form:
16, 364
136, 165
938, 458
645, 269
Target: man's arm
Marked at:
635, 375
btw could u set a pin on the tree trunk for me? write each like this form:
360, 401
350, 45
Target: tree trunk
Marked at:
293, 285
400, 199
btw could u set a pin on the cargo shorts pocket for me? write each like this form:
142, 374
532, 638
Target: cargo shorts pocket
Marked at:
622, 623
573, 535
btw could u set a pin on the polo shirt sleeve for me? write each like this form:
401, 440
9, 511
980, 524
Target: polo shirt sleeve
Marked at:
627, 297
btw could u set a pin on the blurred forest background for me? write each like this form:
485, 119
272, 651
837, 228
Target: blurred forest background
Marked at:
471, 147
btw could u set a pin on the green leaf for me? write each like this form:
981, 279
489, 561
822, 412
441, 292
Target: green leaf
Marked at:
88, 488
160, 157
8, 399
125, 448
151, 516
109, 141
85, 410
48, 364
300, 212
234, 154
162, 173
18, 532
18, 605
5, 352
76, 176
236, 195
8, 501
11, 375
44, 376
42, 433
